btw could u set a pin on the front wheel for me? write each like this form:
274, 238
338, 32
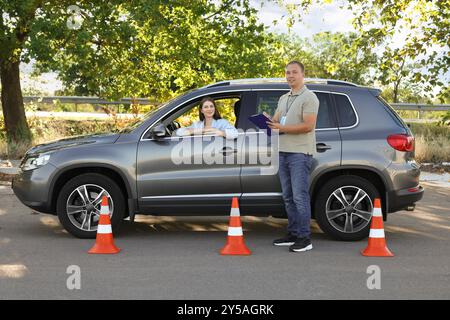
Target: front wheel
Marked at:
79, 201
343, 207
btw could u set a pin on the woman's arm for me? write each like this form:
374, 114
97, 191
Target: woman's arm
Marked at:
187, 131
230, 131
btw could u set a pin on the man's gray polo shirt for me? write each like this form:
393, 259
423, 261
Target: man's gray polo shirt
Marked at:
294, 106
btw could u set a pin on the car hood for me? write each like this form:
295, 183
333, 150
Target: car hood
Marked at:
74, 141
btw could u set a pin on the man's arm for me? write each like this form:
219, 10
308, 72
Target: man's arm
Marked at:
308, 124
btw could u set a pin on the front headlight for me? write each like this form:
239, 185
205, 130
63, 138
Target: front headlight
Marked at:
35, 161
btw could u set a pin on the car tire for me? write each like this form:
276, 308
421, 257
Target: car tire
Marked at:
335, 217
70, 196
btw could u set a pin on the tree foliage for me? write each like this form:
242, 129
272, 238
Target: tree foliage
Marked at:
330, 55
411, 38
154, 48
424, 27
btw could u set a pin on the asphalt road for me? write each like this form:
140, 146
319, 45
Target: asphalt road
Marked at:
177, 258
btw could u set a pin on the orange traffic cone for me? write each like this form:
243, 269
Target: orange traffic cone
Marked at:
104, 242
377, 244
235, 241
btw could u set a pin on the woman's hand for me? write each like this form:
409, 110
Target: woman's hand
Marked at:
214, 131
193, 131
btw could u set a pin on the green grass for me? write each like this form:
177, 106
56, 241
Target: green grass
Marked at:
432, 142
409, 114
50, 129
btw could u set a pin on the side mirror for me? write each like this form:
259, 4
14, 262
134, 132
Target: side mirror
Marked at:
159, 131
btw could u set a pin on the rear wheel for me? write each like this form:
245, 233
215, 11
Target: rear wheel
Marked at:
78, 204
343, 207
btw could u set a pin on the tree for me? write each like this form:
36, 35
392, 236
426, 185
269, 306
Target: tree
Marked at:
329, 55
334, 53
424, 25
153, 50
425, 28
16, 18
128, 48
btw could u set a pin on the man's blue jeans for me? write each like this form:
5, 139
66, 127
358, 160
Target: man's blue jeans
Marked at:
294, 177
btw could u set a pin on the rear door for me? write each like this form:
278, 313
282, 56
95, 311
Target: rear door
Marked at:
260, 182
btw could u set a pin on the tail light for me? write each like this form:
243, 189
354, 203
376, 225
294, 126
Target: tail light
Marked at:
401, 142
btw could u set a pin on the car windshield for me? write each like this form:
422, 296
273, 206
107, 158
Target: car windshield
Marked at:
143, 118
133, 125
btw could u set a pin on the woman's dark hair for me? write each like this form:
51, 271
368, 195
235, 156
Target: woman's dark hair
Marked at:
216, 112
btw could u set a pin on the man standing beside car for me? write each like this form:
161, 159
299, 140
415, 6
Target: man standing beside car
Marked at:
295, 118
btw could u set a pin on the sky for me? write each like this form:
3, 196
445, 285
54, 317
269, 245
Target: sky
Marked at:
327, 17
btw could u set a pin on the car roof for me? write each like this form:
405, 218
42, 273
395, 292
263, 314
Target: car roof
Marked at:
280, 83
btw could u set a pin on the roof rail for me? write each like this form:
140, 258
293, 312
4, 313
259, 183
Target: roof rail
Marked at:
280, 80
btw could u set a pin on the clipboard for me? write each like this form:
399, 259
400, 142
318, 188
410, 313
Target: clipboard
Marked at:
260, 121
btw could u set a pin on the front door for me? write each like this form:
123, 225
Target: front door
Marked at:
175, 177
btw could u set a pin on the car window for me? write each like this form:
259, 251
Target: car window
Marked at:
325, 117
224, 105
268, 102
345, 111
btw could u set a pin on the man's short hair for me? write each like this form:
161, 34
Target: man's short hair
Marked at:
297, 63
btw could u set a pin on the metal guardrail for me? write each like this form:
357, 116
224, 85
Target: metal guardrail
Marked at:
144, 101
95, 101
421, 107
76, 100
86, 100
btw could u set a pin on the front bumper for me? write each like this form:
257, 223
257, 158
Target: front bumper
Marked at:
32, 187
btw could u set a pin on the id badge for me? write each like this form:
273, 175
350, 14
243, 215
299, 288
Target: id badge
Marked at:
283, 120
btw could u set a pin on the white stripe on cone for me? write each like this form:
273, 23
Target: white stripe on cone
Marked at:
235, 231
377, 212
376, 233
235, 212
104, 229
104, 210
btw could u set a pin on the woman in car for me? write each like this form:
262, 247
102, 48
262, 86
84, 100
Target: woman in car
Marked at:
210, 122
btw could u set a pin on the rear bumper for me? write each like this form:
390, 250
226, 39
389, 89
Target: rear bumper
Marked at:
401, 199
405, 189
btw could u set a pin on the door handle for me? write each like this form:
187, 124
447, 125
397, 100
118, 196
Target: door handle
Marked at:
227, 150
322, 147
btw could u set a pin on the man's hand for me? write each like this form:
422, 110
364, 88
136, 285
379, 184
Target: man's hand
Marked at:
275, 118
274, 125
308, 124
267, 115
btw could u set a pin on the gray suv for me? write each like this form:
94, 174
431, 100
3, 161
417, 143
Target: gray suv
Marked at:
364, 151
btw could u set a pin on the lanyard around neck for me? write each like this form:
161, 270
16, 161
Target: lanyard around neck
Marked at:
288, 106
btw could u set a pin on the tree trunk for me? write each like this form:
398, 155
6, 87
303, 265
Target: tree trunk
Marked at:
18, 133
396, 85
